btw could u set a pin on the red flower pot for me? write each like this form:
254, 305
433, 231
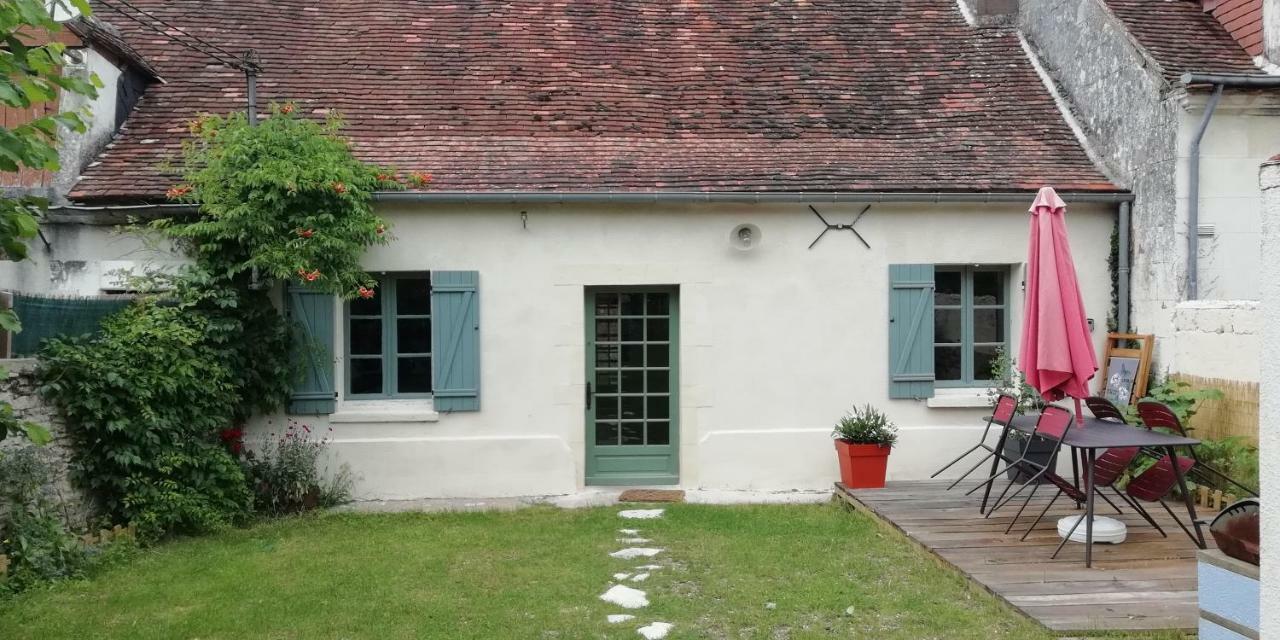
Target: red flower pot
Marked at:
862, 466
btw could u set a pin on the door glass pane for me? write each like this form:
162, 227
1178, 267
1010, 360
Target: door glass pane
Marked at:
632, 355
657, 304
632, 407
946, 325
366, 375
367, 306
946, 363
946, 289
632, 303
633, 330
607, 355
606, 304
659, 433
633, 433
658, 407
366, 336
606, 433
607, 330
413, 335
659, 355
607, 407
659, 330
606, 382
413, 297
659, 381
983, 356
988, 287
413, 375
988, 325
633, 381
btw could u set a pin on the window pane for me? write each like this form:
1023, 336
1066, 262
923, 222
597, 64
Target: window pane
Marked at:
606, 304
659, 381
633, 381
366, 336
946, 325
632, 303
632, 407
659, 330
659, 355
607, 330
946, 363
607, 407
606, 355
658, 407
413, 336
658, 304
413, 297
633, 330
988, 325
659, 433
632, 355
414, 375
606, 433
982, 361
366, 375
633, 433
988, 287
606, 382
946, 287
368, 306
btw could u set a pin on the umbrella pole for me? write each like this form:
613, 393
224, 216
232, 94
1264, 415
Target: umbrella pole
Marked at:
1079, 412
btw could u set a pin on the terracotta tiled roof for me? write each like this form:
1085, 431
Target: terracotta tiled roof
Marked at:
104, 35
1182, 37
735, 95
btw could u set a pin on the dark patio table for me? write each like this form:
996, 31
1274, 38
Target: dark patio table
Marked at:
1093, 434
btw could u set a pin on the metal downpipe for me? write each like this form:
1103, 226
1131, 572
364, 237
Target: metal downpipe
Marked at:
1193, 197
1122, 270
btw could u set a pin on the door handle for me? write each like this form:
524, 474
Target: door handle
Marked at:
588, 396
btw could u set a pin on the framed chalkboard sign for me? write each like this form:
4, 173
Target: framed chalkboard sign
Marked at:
1126, 364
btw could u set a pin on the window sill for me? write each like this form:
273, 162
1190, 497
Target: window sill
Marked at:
968, 398
400, 411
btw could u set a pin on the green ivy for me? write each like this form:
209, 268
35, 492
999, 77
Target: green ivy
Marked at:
282, 200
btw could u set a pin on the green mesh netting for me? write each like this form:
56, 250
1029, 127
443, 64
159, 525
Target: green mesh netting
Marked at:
44, 317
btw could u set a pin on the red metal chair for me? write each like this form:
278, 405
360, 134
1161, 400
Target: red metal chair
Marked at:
1006, 406
1053, 425
1103, 409
1156, 415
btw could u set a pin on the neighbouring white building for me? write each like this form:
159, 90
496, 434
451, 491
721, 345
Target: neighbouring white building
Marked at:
664, 244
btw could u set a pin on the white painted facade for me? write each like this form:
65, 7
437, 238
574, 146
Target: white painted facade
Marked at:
1269, 436
776, 343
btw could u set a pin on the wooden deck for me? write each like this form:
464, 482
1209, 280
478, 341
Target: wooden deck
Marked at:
1148, 582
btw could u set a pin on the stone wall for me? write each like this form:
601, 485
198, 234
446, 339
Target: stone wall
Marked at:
18, 388
1270, 409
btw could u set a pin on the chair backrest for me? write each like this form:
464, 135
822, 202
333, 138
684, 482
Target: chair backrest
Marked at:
1155, 414
1113, 462
1157, 481
1053, 423
1103, 409
1006, 406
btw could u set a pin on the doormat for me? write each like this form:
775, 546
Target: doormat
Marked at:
651, 495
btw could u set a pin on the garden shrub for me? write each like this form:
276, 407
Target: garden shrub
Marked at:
288, 473
32, 533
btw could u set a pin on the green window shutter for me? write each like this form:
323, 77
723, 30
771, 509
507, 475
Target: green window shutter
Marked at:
455, 340
911, 331
311, 314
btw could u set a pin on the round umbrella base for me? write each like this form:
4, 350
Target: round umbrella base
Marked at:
1105, 530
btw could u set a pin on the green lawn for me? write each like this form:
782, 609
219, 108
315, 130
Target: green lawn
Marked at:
535, 573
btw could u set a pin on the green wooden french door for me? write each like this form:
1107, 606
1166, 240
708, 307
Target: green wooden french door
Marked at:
632, 402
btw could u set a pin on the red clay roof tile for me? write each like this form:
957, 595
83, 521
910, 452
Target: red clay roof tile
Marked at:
739, 95
1182, 37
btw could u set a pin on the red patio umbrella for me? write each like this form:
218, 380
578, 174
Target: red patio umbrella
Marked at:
1057, 353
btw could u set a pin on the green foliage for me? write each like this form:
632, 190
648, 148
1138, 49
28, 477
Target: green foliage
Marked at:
1234, 457
146, 399
31, 533
11, 424
866, 425
288, 475
1183, 399
285, 200
1004, 370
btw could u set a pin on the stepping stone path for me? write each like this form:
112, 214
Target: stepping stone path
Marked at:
628, 597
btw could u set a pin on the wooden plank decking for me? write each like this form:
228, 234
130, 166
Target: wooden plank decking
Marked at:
1148, 582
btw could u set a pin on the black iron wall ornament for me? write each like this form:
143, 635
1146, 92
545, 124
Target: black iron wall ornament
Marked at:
840, 227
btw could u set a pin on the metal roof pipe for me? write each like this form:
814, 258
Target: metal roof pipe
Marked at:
1219, 81
1122, 269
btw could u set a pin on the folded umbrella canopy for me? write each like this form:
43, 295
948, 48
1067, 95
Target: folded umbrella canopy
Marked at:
1057, 353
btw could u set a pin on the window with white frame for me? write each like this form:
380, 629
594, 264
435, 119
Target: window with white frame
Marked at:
389, 339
